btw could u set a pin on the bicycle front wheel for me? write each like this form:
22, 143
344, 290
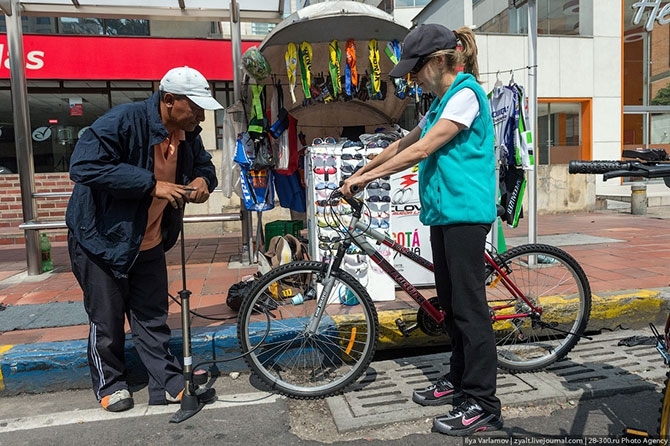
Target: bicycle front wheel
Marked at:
298, 350
553, 282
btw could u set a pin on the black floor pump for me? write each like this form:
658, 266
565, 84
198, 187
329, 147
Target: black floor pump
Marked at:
195, 395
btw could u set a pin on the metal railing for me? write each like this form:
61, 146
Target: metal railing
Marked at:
37, 224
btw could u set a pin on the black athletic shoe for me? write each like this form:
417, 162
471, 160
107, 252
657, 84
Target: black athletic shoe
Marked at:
467, 419
442, 392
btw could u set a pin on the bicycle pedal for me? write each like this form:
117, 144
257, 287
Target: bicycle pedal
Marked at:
404, 329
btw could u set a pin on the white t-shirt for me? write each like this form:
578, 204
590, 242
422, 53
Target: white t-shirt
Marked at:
463, 107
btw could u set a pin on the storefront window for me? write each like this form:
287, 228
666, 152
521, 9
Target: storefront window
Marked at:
410, 3
646, 97
561, 131
109, 27
71, 25
61, 111
554, 17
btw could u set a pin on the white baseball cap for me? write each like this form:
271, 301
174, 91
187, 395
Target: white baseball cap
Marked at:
190, 83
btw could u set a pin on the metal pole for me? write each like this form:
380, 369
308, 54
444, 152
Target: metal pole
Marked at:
236, 44
24, 146
532, 114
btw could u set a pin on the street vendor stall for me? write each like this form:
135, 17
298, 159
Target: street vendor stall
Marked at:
329, 94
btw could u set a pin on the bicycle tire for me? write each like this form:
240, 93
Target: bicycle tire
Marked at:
552, 280
288, 360
664, 411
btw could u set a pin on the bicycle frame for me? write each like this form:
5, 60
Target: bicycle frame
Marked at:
357, 232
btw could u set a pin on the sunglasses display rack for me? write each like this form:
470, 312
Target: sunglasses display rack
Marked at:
329, 163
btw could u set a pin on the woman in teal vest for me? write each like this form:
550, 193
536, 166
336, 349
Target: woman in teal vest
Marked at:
453, 145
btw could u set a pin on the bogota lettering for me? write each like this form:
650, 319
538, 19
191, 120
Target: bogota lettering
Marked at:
34, 59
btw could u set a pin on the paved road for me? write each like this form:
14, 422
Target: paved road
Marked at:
593, 395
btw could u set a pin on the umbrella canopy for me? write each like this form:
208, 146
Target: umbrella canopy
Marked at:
319, 24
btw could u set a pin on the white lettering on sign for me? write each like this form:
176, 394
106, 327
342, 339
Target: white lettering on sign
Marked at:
662, 15
33, 59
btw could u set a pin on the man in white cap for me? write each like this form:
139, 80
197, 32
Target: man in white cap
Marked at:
134, 169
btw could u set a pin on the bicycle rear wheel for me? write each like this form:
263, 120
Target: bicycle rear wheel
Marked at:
553, 281
296, 354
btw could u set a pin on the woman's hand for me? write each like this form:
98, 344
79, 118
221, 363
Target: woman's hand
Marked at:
353, 185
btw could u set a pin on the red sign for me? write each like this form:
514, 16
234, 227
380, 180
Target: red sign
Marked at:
119, 58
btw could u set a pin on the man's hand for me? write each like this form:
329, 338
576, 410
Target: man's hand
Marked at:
197, 191
175, 194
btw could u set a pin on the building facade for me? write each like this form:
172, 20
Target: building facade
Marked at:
603, 72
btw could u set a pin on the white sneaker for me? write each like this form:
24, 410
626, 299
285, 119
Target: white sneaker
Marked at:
118, 401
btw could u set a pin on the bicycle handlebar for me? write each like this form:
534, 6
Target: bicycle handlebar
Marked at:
613, 168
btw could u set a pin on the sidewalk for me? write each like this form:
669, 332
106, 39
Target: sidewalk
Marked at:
43, 327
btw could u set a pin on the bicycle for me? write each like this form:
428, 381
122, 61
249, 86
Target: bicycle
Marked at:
316, 344
649, 163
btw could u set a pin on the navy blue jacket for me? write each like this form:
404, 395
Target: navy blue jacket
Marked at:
112, 167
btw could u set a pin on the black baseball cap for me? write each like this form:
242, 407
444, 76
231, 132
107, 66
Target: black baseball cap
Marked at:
423, 40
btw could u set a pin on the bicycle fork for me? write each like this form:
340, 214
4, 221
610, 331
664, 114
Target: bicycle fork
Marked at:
322, 300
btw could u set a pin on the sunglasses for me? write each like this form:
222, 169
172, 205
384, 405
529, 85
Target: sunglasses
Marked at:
322, 194
379, 185
381, 223
325, 170
352, 144
323, 185
331, 202
323, 223
327, 140
351, 168
323, 210
378, 144
419, 65
379, 198
352, 156
379, 207
324, 161
329, 236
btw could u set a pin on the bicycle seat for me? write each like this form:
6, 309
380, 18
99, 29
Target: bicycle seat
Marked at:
647, 154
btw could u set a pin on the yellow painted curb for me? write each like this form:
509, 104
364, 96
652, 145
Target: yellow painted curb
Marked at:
3, 349
635, 309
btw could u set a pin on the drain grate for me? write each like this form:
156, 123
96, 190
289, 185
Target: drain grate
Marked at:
593, 369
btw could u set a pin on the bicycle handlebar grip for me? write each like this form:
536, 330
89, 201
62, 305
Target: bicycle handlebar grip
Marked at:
576, 166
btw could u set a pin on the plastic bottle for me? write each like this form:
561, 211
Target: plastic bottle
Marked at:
45, 247
299, 298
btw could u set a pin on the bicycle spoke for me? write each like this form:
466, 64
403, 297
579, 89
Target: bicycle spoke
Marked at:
308, 362
556, 311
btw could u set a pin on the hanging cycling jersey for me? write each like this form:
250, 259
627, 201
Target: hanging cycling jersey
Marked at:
291, 58
350, 70
334, 67
375, 69
256, 185
514, 146
523, 142
306, 68
392, 51
257, 121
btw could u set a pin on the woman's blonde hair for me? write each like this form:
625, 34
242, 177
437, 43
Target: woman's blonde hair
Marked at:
465, 56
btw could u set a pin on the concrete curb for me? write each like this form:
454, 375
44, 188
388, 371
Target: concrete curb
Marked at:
43, 367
